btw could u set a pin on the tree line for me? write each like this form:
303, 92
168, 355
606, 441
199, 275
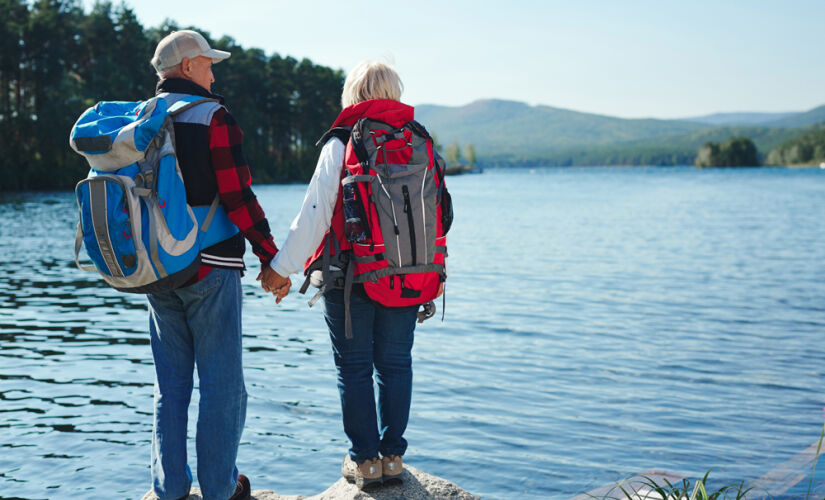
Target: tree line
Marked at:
57, 60
735, 152
454, 156
807, 149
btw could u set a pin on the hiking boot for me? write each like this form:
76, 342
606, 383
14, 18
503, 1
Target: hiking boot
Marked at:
366, 475
391, 468
243, 491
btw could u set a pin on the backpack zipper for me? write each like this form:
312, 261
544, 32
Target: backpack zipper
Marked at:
410, 222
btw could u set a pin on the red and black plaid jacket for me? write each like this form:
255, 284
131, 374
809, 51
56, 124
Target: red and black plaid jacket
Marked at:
212, 162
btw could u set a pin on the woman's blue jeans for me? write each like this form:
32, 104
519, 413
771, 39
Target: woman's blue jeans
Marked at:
381, 344
198, 325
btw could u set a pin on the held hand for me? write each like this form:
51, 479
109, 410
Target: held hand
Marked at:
274, 283
282, 292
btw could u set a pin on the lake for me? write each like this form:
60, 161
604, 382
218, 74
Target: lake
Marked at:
600, 322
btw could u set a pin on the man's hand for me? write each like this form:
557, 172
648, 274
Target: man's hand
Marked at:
274, 283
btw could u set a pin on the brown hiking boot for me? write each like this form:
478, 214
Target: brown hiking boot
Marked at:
392, 467
366, 475
243, 491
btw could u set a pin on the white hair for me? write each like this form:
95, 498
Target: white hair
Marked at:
175, 71
371, 80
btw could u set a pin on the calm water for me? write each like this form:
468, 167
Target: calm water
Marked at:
600, 323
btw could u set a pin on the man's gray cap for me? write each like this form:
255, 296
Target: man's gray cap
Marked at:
185, 43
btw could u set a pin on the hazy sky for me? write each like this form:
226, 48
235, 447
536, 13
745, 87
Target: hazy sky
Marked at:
625, 58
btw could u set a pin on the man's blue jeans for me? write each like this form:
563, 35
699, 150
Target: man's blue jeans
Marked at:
198, 325
382, 342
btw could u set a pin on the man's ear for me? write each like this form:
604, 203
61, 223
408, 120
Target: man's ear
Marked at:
186, 67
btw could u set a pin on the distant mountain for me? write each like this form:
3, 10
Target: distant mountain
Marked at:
515, 133
500, 127
812, 117
741, 119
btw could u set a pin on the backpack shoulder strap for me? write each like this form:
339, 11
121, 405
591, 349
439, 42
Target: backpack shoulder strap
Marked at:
417, 127
177, 106
340, 133
358, 146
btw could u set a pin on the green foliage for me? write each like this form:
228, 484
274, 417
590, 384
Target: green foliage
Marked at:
816, 459
598, 156
651, 489
436, 143
453, 155
735, 152
808, 148
470, 153
57, 61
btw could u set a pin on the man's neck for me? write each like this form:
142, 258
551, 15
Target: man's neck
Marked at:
183, 86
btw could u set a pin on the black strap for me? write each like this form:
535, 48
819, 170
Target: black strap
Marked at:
340, 133
440, 173
358, 146
417, 127
347, 294
326, 275
443, 300
373, 257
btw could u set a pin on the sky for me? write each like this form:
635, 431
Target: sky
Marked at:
626, 58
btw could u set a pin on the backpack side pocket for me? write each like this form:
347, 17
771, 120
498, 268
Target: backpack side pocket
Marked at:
106, 224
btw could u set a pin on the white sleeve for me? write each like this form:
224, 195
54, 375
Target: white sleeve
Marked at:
308, 228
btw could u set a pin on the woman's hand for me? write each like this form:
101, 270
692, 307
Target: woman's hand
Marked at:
274, 283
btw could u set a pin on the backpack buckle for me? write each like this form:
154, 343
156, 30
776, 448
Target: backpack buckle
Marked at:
427, 311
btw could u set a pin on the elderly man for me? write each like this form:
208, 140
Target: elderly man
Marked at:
200, 323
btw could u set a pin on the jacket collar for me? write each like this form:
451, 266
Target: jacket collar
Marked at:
388, 111
183, 86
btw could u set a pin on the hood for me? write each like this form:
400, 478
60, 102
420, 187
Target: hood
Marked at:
386, 110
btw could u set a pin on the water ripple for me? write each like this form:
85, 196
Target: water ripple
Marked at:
602, 323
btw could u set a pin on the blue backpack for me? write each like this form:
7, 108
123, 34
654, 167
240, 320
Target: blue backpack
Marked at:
135, 223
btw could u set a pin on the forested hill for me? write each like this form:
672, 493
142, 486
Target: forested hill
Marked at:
514, 133
498, 127
58, 60
807, 149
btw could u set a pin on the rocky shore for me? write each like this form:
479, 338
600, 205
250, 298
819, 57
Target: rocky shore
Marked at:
417, 485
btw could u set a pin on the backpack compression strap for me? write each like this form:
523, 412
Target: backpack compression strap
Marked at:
78, 242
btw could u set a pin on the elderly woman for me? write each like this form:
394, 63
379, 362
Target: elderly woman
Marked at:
367, 337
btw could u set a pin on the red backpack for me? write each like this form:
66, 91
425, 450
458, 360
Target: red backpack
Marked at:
391, 218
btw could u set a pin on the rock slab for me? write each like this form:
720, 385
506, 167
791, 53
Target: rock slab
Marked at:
417, 485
